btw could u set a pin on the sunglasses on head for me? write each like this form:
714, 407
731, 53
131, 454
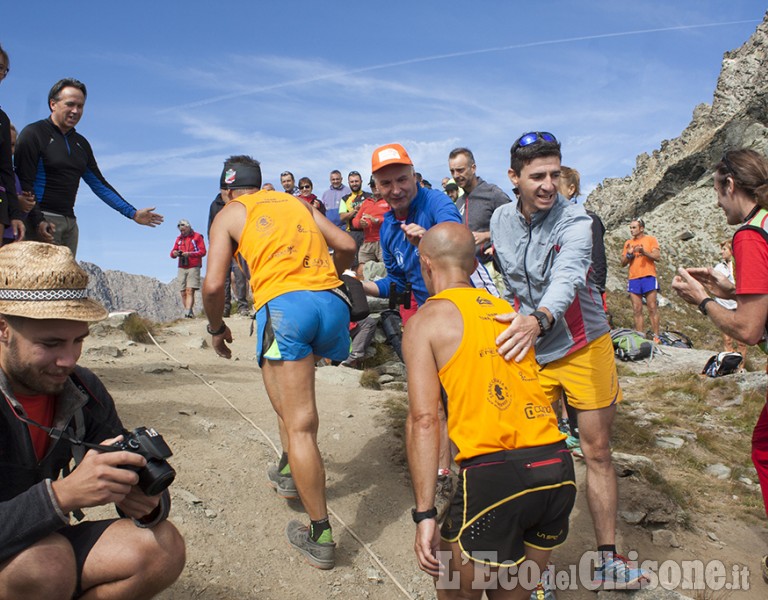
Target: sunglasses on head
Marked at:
531, 138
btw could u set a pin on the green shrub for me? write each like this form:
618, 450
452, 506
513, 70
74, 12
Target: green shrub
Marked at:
138, 328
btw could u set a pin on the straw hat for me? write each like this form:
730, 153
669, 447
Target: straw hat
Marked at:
43, 281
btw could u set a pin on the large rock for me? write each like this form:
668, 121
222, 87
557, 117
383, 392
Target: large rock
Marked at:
737, 117
118, 291
672, 187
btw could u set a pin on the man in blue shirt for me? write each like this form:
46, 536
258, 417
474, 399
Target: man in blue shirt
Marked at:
332, 198
414, 210
51, 158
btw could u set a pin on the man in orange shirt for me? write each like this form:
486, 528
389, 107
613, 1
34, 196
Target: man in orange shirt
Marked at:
641, 253
300, 317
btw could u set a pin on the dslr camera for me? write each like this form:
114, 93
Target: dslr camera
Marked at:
157, 474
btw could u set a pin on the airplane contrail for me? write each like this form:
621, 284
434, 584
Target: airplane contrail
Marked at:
423, 59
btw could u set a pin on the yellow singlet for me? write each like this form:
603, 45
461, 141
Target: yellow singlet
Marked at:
283, 247
492, 404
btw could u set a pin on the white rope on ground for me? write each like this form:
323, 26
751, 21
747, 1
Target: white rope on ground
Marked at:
351, 531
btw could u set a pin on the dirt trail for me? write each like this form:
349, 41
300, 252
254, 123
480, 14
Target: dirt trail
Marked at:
234, 523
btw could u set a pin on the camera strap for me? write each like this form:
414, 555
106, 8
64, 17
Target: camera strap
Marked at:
56, 434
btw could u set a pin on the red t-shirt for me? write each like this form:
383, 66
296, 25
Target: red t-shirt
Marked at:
375, 209
39, 408
750, 257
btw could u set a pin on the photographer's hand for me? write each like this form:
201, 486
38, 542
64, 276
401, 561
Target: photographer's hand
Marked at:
137, 504
98, 479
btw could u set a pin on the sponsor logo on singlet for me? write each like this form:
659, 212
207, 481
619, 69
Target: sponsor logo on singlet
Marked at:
498, 394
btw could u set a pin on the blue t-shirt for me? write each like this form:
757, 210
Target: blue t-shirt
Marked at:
401, 258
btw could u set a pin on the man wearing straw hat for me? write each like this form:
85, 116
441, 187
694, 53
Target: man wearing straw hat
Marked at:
48, 402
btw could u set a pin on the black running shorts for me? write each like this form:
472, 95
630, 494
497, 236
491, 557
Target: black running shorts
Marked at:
83, 538
510, 499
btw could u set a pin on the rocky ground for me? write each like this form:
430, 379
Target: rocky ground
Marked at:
215, 415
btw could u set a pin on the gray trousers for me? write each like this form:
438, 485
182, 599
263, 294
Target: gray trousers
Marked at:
242, 279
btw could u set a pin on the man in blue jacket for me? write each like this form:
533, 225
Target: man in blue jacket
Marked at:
51, 158
414, 210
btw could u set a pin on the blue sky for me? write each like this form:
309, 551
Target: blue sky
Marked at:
176, 87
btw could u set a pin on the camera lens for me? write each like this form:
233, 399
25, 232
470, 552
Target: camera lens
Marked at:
155, 477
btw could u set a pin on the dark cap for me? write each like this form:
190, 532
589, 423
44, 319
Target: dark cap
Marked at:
450, 187
240, 176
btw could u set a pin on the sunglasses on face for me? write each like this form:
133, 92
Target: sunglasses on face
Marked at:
305, 187
531, 138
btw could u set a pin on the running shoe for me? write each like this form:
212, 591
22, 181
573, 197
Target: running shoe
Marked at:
616, 574
572, 442
542, 592
318, 555
283, 484
446, 488
764, 568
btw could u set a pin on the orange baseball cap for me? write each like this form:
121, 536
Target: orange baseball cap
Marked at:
389, 154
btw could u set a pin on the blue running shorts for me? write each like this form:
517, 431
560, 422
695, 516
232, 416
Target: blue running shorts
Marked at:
297, 324
642, 285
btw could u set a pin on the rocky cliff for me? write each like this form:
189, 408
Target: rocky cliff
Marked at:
118, 291
672, 187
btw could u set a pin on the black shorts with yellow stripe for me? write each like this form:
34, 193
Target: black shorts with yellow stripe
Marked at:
509, 499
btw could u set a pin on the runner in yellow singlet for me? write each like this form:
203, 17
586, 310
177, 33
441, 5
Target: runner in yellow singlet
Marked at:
516, 484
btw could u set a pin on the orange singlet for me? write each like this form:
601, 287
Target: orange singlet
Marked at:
492, 404
283, 247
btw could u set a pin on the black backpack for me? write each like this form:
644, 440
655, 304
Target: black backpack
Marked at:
723, 363
675, 339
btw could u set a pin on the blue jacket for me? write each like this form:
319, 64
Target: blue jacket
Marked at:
51, 164
401, 258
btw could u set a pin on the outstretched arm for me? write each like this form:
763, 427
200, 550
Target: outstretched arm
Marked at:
147, 216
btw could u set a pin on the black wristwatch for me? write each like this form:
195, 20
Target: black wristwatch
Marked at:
543, 321
219, 331
418, 517
703, 305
